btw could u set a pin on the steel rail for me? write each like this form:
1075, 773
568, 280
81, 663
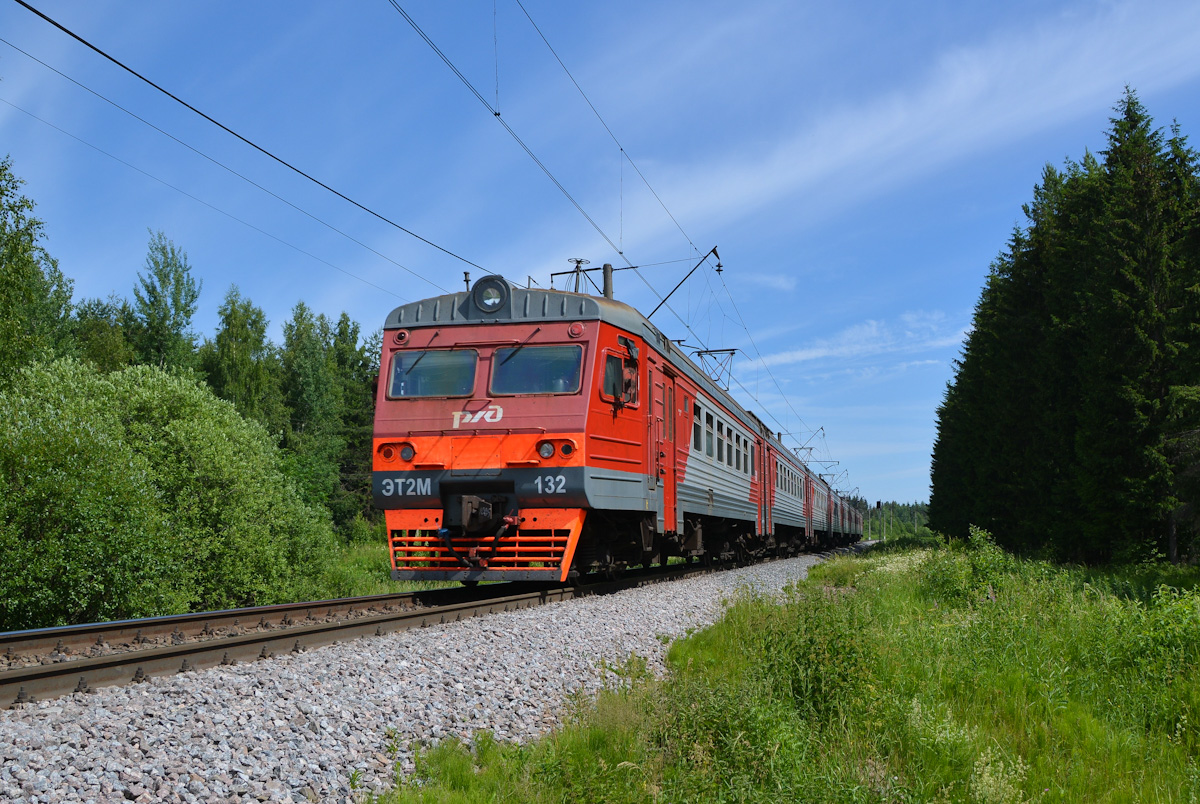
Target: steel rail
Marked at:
26, 684
67, 640
275, 631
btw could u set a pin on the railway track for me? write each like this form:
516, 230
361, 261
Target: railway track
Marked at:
49, 662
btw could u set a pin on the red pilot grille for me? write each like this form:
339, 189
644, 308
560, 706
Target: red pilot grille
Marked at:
543, 540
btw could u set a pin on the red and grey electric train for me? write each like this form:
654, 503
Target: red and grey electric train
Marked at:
529, 434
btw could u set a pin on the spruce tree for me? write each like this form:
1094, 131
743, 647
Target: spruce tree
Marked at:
242, 365
164, 303
1072, 425
313, 395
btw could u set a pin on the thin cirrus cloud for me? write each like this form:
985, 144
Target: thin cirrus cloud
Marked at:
972, 98
914, 333
780, 282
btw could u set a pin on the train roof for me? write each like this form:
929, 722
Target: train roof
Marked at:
515, 304
495, 300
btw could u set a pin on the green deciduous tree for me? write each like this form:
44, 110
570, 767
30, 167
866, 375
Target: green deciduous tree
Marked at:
357, 365
328, 383
139, 492
313, 395
35, 297
102, 330
311, 384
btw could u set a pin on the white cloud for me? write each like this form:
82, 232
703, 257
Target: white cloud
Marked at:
780, 282
916, 332
972, 98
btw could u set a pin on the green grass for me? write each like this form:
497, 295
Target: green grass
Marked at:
362, 567
956, 674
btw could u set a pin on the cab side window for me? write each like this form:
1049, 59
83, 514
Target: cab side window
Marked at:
612, 377
620, 382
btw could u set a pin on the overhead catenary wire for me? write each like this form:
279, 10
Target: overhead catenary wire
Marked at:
245, 140
214, 208
370, 211
528, 150
302, 173
223, 166
624, 153
625, 157
496, 51
516, 137
761, 360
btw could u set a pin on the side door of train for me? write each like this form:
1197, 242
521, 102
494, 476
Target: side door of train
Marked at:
663, 424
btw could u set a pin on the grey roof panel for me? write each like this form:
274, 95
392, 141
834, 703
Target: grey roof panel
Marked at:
522, 304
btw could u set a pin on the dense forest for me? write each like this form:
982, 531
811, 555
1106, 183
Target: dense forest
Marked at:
892, 520
1072, 426
147, 470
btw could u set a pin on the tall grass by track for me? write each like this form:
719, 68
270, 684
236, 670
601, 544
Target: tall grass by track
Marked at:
361, 566
947, 675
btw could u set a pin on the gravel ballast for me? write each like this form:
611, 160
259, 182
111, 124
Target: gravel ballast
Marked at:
295, 727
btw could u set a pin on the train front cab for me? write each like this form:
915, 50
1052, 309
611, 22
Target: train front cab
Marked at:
477, 471
482, 444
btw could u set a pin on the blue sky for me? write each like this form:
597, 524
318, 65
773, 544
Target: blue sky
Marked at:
858, 165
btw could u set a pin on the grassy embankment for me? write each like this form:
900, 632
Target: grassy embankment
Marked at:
912, 674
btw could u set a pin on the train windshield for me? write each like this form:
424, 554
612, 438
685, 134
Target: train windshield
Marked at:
440, 372
537, 370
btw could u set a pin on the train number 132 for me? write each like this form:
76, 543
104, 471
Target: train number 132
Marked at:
551, 484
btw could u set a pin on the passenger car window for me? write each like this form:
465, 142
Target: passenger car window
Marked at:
434, 372
536, 370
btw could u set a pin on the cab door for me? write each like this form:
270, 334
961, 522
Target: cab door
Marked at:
766, 474
810, 490
663, 425
758, 487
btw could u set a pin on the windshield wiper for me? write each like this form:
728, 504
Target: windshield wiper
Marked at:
520, 346
408, 370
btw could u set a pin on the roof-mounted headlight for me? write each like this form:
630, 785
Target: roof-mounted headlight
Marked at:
490, 294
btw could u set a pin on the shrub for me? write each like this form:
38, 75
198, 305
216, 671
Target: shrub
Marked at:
139, 493
945, 577
816, 650
965, 572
